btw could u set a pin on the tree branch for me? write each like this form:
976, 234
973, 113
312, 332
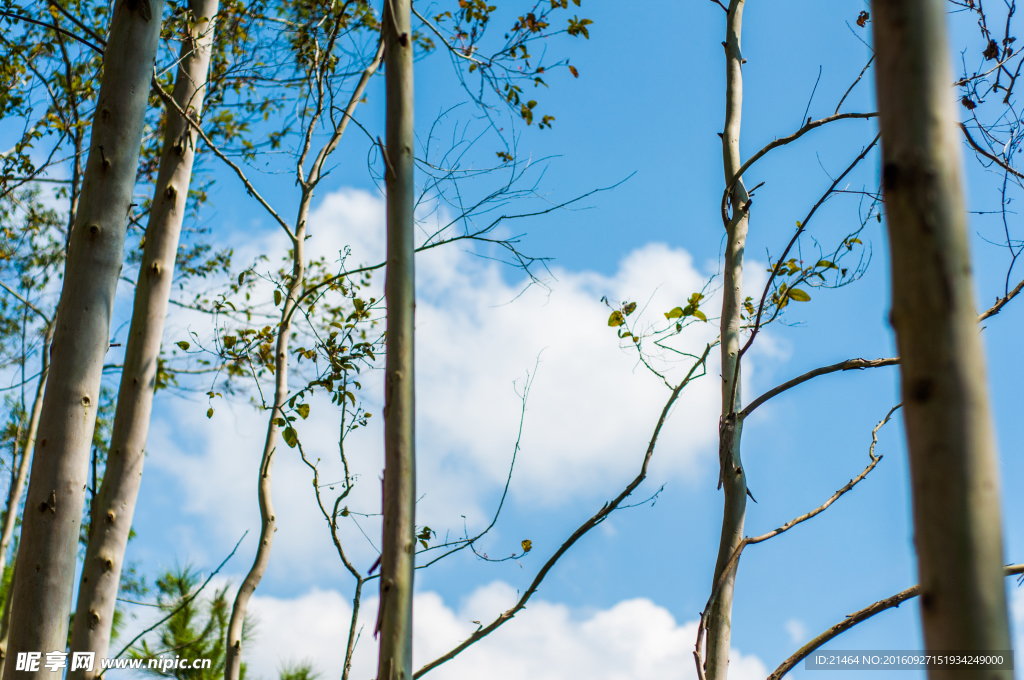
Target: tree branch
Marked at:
849, 365
599, 517
1000, 303
853, 619
734, 558
220, 154
995, 159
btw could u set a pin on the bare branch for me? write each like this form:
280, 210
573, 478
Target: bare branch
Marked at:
995, 159
811, 125
1000, 303
849, 365
734, 558
853, 619
599, 517
169, 101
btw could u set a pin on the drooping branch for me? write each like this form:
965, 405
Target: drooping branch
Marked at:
601, 515
859, 616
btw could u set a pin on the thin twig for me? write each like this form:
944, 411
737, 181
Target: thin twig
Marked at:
995, 159
184, 603
599, 517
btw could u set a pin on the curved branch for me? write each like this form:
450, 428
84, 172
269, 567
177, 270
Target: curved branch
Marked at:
849, 365
599, 517
995, 159
810, 125
853, 619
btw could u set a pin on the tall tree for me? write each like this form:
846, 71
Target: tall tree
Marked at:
954, 472
114, 507
42, 588
394, 620
731, 476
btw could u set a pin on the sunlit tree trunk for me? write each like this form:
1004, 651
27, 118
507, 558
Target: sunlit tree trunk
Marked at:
397, 558
114, 507
954, 472
732, 477
44, 579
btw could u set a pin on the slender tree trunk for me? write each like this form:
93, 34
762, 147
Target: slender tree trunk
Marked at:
953, 466
233, 664
44, 581
397, 557
114, 507
732, 478
18, 486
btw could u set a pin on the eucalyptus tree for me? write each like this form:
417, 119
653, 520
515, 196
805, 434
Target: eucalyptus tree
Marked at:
398, 546
42, 592
953, 464
113, 509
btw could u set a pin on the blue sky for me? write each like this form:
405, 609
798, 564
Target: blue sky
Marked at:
647, 105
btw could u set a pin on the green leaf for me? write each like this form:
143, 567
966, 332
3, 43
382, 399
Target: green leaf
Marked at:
183, 344
826, 264
616, 319
291, 438
527, 545
629, 308
277, 297
799, 295
303, 410
675, 313
700, 315
209, 413
229, 341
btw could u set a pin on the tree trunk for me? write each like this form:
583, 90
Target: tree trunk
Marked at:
114, 506
268, 525
44, 581
732, 477
953, 467
397, 556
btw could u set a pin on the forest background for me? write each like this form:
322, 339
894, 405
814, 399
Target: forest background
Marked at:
646, 109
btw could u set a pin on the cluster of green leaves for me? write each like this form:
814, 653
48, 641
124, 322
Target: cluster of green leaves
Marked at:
506, 66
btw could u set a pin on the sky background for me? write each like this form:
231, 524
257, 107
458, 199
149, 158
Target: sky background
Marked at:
623, 603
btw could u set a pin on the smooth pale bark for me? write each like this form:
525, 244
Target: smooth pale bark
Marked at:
268, 522
233, 665
114, 507
733, 479
953, 466
394, 620
44, 579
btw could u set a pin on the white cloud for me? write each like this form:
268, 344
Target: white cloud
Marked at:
797, 631
635, 639
589, 418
